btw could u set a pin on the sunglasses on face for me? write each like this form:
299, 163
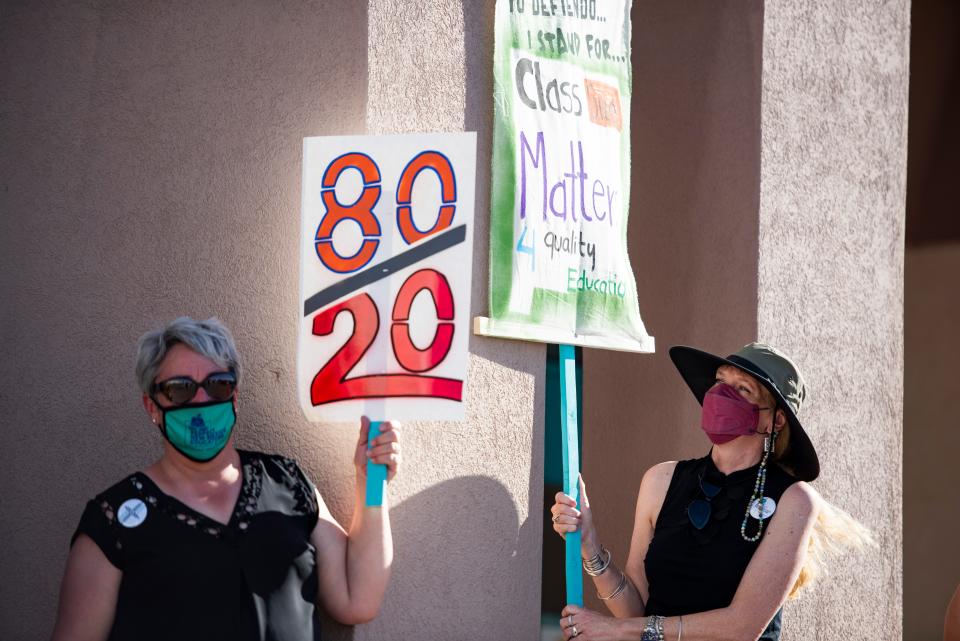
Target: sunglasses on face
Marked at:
700, 510
219, 386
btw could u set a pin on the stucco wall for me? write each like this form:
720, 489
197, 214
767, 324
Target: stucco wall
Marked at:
151, 167
831, 276
931, 438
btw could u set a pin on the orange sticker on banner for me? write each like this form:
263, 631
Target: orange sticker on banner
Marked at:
603, 101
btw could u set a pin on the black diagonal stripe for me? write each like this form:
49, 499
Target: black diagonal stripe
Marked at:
413, 255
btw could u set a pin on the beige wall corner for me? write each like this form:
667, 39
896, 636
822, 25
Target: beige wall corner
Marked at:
831, 277
468, 515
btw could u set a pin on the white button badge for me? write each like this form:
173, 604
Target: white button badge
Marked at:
132, 513
769, 507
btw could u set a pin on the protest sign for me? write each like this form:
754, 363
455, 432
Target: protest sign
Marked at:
560, 193
385, 249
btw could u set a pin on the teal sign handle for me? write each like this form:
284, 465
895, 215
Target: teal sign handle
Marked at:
571, 466
376, 474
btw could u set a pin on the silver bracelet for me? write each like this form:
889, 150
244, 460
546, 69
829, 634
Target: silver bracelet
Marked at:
597, 564
653, 630
620, 588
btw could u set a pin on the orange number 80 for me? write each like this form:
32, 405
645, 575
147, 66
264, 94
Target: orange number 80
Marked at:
360, 212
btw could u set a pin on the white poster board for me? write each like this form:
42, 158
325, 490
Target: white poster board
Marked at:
560, 177
386, 249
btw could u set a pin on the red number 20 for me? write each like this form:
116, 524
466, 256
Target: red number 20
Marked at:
331, 383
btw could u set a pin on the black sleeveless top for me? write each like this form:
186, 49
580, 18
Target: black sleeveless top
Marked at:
186, 576
691, 570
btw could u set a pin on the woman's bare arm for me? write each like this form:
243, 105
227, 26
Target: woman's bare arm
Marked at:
951, 622
354, 567
627, 595
88, 594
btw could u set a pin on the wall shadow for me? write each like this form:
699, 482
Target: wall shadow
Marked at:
693, 239
478, 520
930, 310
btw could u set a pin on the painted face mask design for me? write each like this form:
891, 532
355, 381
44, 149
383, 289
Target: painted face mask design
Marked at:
727, 415
199, 431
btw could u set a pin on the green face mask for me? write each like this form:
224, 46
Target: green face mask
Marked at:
200, 431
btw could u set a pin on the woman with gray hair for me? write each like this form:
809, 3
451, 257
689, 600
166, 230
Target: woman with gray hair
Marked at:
212, 542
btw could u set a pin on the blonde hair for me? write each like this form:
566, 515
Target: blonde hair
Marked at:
833, 532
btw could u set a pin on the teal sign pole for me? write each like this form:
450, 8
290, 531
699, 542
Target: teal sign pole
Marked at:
376, 474
571, 465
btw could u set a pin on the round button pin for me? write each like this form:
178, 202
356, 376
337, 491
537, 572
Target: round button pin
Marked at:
769, 507
132, 513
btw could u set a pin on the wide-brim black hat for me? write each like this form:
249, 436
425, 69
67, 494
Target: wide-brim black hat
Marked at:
777, 373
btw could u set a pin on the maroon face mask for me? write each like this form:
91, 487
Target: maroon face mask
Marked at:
727, 415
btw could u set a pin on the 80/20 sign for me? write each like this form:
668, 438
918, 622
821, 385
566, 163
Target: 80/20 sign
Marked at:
390, 245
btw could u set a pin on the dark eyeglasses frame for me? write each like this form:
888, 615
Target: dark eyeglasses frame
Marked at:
209, 384
697, 507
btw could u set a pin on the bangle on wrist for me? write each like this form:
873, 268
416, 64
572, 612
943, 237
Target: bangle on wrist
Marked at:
598, 563
620, 588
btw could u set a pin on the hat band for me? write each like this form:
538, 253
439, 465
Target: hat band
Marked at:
752, 368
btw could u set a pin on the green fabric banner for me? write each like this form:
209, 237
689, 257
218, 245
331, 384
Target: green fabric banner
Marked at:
560, 193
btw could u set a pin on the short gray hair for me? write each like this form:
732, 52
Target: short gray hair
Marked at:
209, 338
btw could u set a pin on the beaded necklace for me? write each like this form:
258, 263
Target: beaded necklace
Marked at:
758, 488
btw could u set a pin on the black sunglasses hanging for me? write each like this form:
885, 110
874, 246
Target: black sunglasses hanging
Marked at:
699, 510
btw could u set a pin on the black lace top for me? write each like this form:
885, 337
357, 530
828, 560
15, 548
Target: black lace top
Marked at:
186, 576
691, 570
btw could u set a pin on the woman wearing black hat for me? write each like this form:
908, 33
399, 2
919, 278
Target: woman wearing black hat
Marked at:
719, 543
